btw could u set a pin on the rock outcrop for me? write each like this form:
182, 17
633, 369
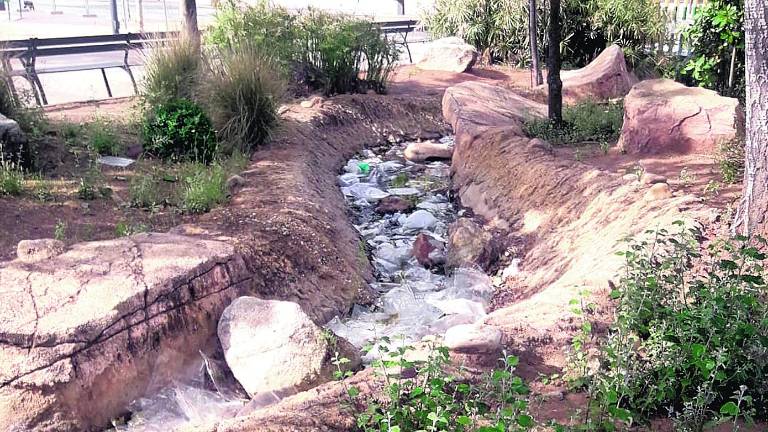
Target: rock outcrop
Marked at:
606, 77
449, 54
13, 143
664, 116
272, 346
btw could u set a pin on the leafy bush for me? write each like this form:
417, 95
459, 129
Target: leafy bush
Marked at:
204, 188
436, 400
585, 122
499, 28
691, 333
717, 40
332, 52
179, 130
730, 157
242, 94
171, 72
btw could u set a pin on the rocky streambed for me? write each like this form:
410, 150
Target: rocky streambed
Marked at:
398, 199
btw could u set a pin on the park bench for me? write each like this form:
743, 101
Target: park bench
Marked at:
27, 51
400, 30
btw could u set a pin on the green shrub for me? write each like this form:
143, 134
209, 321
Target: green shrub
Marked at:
242, 94
332, 52
691, 333
179, 130
585, 122
730, 157
171, 72
436, 400
125, 229
204, 187
11, 178
499, 28
102, 137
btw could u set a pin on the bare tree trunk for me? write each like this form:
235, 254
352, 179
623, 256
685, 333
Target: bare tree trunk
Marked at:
188, 9
751, 216
141, 16
555, 97
533, 26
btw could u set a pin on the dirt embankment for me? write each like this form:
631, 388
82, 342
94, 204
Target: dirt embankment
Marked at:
86, 332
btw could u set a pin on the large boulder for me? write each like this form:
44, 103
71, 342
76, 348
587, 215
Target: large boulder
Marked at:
606, 77
272, 346
469, 245
664, 116
13, 142
449, 54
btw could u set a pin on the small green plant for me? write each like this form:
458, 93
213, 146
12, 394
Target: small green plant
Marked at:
204, 187
71, 132
102, 137
730, 157
605, 147
577, 155
401, 180
638, 170
712, 189
60, 230
180, 130
11, 178
125, 229
86, 190
686, 177
689, 339
431, 399
42, 189
144, 191
583, 123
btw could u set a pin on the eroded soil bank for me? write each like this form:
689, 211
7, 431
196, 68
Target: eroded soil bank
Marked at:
86, 332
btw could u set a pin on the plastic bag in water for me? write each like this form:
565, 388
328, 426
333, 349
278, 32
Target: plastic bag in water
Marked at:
419, 220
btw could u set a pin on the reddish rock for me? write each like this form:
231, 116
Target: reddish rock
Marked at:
428, 250
394, 204
605, 78
664, 116
449, 54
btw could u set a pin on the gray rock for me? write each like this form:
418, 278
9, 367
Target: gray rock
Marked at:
38, 249
473, 339
449, 54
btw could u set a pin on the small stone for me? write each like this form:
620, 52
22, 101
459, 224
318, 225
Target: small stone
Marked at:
234, 183
629, 177
312, 102
658, 191
428, 251
39, 249
394, 204
473, 339
650, 178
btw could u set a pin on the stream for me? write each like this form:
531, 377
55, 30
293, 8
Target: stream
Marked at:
395, 205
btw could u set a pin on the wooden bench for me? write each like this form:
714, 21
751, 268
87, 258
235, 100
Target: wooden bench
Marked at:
401, 29
27, 51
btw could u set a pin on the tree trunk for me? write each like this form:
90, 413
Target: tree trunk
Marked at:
188, 9
751, 216
555, 97
141, 16
533, 26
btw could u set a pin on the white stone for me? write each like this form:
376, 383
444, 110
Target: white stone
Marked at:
473, 338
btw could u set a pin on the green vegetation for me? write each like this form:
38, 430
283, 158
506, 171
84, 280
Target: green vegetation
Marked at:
321, 50
242, 94
11, 178
689, 340
400, 180
717, 42
101, 136
60, 230
585, 122
125, 229
498, 28
179, 130
435, 399
144, 191
204, 188
171, 72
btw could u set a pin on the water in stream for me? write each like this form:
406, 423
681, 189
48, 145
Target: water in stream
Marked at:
413, 301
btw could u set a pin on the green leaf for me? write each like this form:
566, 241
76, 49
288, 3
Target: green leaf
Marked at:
463, 420
525, 421
353, 392
730, 408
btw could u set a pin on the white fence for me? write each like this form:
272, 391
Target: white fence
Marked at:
679, 15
